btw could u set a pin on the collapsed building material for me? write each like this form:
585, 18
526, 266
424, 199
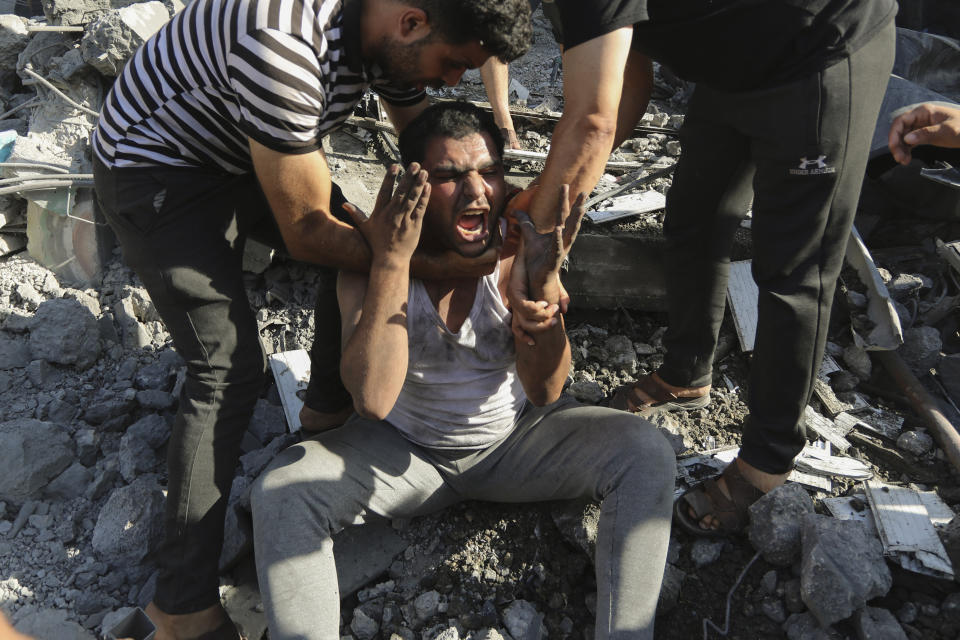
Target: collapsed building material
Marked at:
742, 293
886, 332
630, 205
924, 404
906, 531
291, 371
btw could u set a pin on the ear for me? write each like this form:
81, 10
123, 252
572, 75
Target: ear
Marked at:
413, 25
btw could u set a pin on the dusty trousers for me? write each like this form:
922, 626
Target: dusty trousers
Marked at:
800, 151
366, 469
182, 231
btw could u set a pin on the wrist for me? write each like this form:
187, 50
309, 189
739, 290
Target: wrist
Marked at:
390, 262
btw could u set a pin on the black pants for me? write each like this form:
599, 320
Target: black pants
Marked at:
800, 151
182, 231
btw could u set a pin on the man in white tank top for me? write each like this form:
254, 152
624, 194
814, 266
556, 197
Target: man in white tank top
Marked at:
455, 401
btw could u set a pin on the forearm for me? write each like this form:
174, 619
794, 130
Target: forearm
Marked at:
637, 87
322, 239
374, 363
543, 367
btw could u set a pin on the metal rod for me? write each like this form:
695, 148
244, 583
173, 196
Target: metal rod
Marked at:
48, 85
54, 27
22, 105
923, 403
39, 185
33, 165
40, 176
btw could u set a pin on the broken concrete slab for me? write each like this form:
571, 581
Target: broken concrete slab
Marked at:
131, 521
112, 39
65, 332
32, 453
776, 523
841, 569
48, 623
607, 272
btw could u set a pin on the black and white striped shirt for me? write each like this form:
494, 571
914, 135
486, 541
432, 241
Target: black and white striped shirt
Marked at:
283, 72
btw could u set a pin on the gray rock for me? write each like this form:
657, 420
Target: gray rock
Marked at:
776, 522
13, 39
856, 299
577, 521
363, 626
268, 421
152, 429
768, 583
70, 484
64, 409
803, 626
14, 353
844, 381
245, 607
773, 609
48, 623
31, 454
950, 607
670, 427
523, 621
620, 353
908, 613
155, 375
792, 597
858, 361
256, 461
41, 374
88, 446
426, 605
915, 442
670, 589
136, 457
130, 521
904, 286
704, 551
921, 348
65, 332
586, 391
872, 623
154, 399
106, 405
842, 567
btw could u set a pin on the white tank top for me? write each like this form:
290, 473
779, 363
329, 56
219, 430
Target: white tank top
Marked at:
461, 389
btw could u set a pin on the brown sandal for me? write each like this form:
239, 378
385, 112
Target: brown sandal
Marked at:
707, 499
650, 395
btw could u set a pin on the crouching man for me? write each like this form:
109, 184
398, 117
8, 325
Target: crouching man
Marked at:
451, 406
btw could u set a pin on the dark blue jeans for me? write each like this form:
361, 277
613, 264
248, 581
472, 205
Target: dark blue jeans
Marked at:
182, 231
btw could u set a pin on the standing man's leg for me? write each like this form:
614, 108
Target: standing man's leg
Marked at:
568, 450
807, 187
178, 232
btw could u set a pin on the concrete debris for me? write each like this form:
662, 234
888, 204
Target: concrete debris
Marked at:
804, 626
65, 332
130, 522
921, 348
114, 37
842, 567
49, 623
776, 523
704, 551
873, 623
915, 442
523, 620
32, 453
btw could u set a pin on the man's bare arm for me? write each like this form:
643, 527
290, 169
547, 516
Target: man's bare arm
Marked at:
298, 189
374, 307
584, 136
637, 86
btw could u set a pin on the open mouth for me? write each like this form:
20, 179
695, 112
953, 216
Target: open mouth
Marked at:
472, 226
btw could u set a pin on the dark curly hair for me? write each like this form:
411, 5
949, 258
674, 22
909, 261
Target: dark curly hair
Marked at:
503, 26
449, 120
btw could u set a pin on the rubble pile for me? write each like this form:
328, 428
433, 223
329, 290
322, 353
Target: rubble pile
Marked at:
89, 385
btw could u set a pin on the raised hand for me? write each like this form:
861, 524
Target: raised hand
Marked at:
543, 253
393, 228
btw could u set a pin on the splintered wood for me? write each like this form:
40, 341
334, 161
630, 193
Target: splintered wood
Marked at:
291, 370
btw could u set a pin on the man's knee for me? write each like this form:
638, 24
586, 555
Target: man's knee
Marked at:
648, 449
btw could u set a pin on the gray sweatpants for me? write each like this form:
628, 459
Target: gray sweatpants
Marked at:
367, 468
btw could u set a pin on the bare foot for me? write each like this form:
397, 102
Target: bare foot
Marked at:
185, 626
315, 421
761, 480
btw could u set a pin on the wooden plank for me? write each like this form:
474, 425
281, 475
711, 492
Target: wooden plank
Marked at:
886, 333
742, 295
906, 530
291, 370
825, 428
630, 205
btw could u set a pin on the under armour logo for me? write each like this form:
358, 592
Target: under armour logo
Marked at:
813, 167
820, 162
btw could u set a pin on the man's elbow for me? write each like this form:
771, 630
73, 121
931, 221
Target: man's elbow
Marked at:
597, 127
373, 406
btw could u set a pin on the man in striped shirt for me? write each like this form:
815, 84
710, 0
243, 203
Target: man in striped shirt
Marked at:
216, 122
